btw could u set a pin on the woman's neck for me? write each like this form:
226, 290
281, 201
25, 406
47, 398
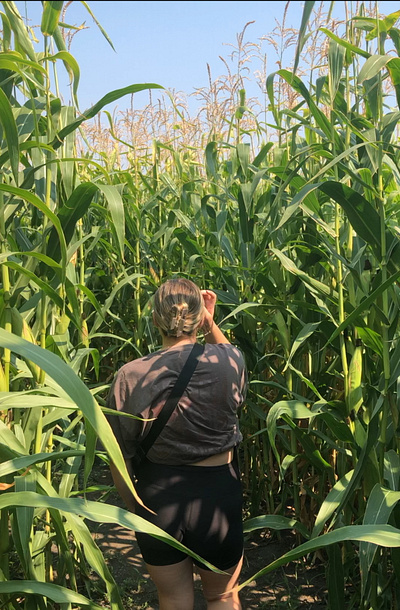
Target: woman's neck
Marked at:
168, 342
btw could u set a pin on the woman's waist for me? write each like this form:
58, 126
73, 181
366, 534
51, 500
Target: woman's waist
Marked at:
218, 459
172, 449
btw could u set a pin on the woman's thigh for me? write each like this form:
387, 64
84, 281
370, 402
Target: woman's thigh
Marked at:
221, 587
174, 584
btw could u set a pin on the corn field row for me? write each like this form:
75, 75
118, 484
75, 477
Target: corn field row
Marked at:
290, 213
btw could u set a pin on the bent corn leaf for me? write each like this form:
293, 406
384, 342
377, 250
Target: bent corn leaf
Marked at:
113, 96
384, 535
78, 392
58, 594
96, 511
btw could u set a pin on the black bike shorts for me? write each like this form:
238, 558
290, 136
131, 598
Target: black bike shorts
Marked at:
201, 506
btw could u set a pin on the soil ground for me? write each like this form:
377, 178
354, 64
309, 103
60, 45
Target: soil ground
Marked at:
299, 585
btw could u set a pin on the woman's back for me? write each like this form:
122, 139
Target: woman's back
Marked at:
204, 422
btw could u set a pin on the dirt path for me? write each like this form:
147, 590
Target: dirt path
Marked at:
296, 586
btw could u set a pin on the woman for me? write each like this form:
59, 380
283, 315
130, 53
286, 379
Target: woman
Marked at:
190, 478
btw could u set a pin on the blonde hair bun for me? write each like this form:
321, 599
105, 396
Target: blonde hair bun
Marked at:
178, 307
180, 312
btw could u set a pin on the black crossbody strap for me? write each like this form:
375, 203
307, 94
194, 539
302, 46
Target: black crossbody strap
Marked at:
172, 400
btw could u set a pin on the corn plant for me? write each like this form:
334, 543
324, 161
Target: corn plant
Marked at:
291, 217
47, 437
300, 243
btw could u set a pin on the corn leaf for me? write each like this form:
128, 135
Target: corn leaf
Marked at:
116, 208
22, 39
372, 67
294, 408
38, 203
102, 30
336, 58
95, 511
307, 331
23, 526
274, 522
321, 120
331, 503
113, 96
50, 16
354, 396
69, 214
73, 69
22, 463
346, 44
365, 304
60, 595
11, 133
310, 449
380, 505
382, 535
302, 36
76, 389
84, 538
392, 469
363, 217
394, 71
335, 578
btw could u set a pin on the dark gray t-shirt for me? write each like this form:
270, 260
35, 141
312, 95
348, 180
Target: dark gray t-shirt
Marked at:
205, 421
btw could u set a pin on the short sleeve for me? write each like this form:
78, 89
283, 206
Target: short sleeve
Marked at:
126, 429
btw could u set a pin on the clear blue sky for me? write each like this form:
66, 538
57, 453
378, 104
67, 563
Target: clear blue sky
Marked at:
168, 43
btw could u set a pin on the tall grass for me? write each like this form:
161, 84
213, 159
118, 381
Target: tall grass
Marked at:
288, 209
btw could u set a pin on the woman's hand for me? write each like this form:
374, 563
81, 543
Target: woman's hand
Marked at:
212, 333
209, 299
